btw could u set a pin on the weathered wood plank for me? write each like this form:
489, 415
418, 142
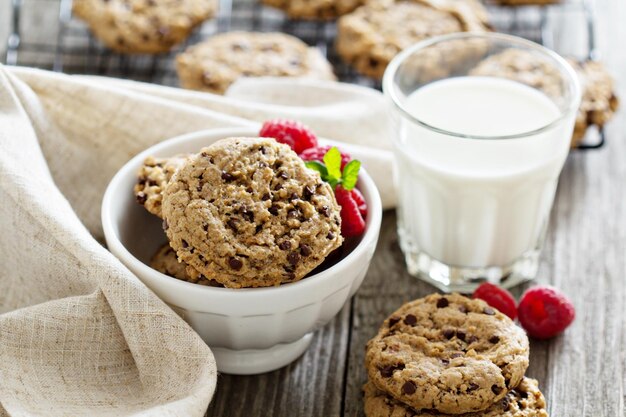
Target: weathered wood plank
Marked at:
312, 386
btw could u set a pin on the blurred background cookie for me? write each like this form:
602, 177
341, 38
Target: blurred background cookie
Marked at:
143, 26
314, 9
216, 63
526, 2
598, 103
372, 35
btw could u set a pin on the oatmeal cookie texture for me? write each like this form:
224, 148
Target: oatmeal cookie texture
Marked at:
315, 9
524, 401
372, 35
143, 26
248, 213
152, 177
216, 63
447, 353
166, 262
598, 103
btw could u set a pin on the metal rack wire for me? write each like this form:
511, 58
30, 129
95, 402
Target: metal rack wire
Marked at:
71, 48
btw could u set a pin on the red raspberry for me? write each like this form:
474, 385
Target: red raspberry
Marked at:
360, 202
498, 298
545, 312
352, 222
317, 154
290, 132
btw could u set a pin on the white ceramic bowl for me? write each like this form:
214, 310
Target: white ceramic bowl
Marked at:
249, 330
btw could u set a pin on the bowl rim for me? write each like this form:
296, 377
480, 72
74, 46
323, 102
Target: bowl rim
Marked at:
369, 238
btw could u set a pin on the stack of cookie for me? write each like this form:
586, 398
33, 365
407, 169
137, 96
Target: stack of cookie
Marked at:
450, 355
243, 212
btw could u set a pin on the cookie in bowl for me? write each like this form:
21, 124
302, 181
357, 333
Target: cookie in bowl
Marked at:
152, 178
247, 212
143, 26
447, 353
216, 63
166, 262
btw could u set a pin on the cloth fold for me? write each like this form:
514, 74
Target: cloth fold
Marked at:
79, 333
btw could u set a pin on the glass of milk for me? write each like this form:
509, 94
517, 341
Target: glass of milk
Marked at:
478, 157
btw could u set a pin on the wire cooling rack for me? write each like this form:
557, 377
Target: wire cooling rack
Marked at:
69, 46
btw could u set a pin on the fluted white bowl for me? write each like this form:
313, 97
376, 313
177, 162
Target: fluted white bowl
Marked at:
250, 330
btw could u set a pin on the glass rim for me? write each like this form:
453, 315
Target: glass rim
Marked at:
394, 65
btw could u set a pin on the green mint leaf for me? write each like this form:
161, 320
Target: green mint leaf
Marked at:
350, 174
332, 159
319, 167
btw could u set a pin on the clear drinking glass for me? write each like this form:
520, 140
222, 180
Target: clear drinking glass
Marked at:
478, 155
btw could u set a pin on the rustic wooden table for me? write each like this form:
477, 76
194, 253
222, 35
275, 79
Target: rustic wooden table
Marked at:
582, 373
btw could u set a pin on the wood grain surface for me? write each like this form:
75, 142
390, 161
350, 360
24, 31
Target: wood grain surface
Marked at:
582, 373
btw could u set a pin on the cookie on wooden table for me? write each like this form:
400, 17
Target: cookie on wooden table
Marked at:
143, 26
372, 35
166, 262
152, 177
524, 401
248, 213
315, 9
216, 63
598, 103
447, 353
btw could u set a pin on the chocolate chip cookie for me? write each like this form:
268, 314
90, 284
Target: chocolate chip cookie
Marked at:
372, 35
598, 103
166, 262
526, 2
315, 9
248, 213
152, 177
524, 401
216, 63
143, 26
447, 353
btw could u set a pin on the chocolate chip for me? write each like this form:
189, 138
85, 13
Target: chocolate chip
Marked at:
290, 276
226, 176
278, 187
522, 394
152, 183
460, 334
393, 321
293, 258
273, 210
473, 387
471, 340
325, 210
265, 197
463, 309
494, 339
232, 223
184, 243
283, 175
262, 150
448, 334
199, 187
409, 388
442, 302
285, 245
307, 192
387, 371
305, 250
258, 228
445, 361
456, 355
293, 213
293, 196
330, 236
249, 190
505, 403
410, 319
248, 215
496, 389
165, 225
205, 227
141, 198
235, 264
489, 311
263, 164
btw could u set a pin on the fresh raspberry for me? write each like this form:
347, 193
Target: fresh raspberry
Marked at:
317, 154
360, 202
545, 312
290, 132
498, 298
352, 222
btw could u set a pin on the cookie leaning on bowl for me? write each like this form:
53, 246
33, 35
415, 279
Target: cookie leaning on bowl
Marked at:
216, 63
524, 401
372, 35
143, 26
247, 212
447, 353
166, 262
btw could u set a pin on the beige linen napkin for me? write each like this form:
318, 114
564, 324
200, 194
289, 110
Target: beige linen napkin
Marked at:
79, 333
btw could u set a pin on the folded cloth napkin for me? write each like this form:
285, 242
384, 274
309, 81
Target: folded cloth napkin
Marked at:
79, 333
